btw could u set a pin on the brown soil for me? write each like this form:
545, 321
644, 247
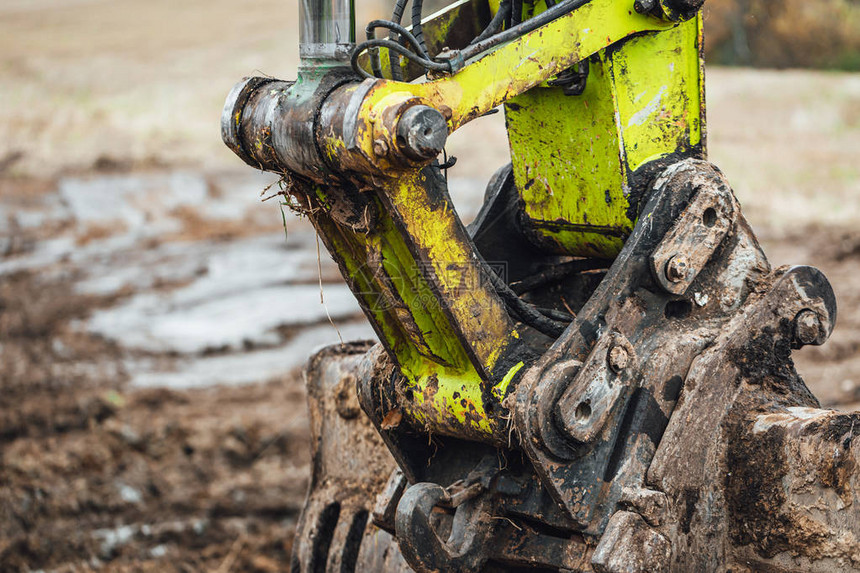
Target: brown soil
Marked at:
146, 480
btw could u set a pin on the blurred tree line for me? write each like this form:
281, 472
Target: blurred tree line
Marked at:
784, 33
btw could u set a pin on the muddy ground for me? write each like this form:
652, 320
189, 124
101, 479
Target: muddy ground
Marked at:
155, 313
122, 456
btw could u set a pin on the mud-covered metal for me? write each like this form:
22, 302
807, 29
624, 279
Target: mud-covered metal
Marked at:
664, 333
357, 153
664, 429
721, 459
694, 237
336, 516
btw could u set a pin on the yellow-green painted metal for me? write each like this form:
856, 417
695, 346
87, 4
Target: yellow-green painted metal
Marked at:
454, 402
574, 157
449, 333
442, 241
517, 66
416, 271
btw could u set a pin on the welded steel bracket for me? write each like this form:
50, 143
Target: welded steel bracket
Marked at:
692, 240
591, 431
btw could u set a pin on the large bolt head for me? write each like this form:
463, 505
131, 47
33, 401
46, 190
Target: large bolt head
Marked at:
618, 358
807, 327
644, 6
422, 132
677, 268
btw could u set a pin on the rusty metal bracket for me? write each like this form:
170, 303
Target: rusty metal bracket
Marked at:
598, 390
465, 549
586, 461
698, 232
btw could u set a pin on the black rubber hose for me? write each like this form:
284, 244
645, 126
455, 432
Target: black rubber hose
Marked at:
558, 272
393, 47
554, 314
394, 59
525, 312
517, 12
497, 23
403, 32
417, 6
470, 51
373, 53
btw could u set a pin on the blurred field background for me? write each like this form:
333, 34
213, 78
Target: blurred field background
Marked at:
154, 316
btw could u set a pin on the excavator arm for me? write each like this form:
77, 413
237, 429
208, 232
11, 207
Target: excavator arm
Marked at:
576, 380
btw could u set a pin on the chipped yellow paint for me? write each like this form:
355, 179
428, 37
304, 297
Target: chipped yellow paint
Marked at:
445, 354
447, 331
500, 390
450, 403
574, 156
515, 67
476, 311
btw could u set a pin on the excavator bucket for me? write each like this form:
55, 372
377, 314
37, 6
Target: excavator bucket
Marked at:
350, 468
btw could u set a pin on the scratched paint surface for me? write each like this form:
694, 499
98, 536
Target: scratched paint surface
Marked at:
573, 155
444, 325
487, 81
420, 337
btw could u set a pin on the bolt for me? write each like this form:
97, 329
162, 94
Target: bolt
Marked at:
380, 148
644, 6
807, 326
423, 131
618, 358
677, 268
